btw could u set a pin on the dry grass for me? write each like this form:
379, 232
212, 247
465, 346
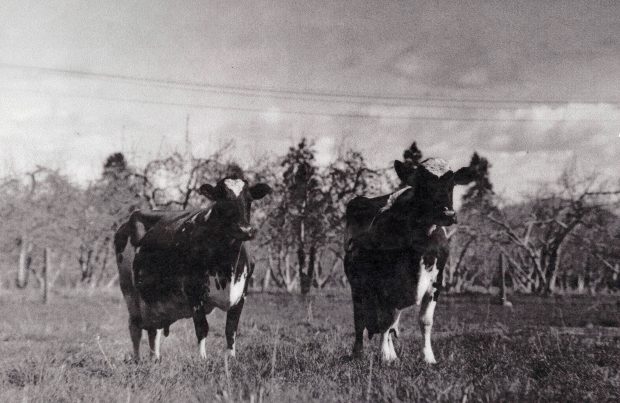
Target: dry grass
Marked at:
74, 349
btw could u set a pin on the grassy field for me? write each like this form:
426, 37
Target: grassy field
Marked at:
295, 349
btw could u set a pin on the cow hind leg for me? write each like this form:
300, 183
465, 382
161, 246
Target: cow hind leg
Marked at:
155, 342
232, 322
135, 332
388, 353
427, 310
201, 326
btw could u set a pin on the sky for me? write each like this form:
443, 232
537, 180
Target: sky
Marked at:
532, 86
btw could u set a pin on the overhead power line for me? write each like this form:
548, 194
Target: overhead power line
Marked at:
303, 95
299, 112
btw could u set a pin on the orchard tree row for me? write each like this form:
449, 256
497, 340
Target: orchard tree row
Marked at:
562, 237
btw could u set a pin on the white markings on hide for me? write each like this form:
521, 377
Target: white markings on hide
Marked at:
229, 296
436, 166
392, 199
426, 278
235, 185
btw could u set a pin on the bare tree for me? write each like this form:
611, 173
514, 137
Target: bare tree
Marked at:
537, 230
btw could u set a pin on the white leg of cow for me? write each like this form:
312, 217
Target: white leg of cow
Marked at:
426, 323
387, 347
203, 348
155, 342
388, 353
202, 329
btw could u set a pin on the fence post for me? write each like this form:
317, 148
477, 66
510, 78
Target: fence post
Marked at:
47, 265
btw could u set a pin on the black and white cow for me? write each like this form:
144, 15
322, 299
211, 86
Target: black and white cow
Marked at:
396, 249
175, 265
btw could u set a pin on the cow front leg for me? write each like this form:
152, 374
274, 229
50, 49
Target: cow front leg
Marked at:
358, 322
202, 329
232, 322
155, 342
427, 310
135, 332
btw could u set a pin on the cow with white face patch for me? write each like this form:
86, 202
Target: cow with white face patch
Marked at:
175, 265
396, 249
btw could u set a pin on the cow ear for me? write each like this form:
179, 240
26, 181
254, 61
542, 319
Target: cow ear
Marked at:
464, 175
404, 171
399, 167
259, 191
209, 191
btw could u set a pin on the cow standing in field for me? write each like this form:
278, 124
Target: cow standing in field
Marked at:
396, 249
175, 265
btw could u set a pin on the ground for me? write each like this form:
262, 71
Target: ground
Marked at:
291, 348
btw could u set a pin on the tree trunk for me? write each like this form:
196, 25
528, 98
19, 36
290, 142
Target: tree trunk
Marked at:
267, 278
581, 284
86, 255
306, 268
551, 272
25, 260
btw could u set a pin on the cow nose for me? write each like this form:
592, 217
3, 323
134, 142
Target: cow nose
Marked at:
250, 232
449, 214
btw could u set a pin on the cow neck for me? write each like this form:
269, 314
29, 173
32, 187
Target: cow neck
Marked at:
417, 236
225, 248
421, 235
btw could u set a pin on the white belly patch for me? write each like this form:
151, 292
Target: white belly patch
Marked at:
226, 297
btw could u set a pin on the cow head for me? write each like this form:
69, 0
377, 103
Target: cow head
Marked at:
230, 215
431, 183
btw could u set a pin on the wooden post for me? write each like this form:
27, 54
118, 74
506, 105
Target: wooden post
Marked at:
502, 267
501, 299
47, 265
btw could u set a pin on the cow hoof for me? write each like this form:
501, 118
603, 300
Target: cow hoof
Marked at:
389, 356
358, 353
389, 359
429, 357
230, 353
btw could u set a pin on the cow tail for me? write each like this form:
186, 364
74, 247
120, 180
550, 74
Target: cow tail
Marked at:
120, 239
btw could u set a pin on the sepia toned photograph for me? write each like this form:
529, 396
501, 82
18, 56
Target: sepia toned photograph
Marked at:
309, 201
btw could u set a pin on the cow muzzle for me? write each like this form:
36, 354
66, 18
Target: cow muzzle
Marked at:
447, 217
245, 233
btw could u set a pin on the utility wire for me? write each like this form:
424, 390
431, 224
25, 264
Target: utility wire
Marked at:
296, 94
298, 112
